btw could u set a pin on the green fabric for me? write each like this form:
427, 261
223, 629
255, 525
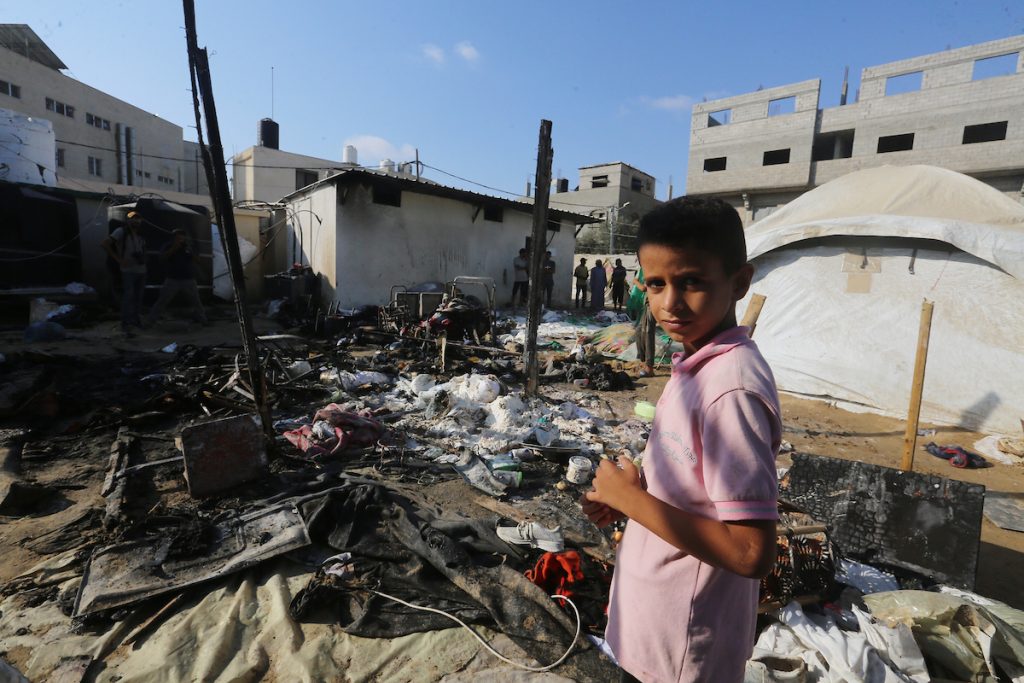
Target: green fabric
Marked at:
635, 303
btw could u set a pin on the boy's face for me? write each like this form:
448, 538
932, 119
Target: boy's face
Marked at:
690, 294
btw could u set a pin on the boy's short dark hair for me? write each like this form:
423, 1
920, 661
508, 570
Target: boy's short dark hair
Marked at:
709, 224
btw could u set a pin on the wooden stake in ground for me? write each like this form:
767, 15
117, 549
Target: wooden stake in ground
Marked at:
538, 243
917, 388
753, 313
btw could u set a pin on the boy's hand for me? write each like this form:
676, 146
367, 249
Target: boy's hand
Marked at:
599, 513
615, 485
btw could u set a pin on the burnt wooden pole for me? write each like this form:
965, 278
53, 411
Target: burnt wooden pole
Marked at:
538, 244
214, 157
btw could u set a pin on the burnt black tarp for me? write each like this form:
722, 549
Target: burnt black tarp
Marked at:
38, 237
927, 524
409, 549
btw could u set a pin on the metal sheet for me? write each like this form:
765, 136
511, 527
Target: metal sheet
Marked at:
924, 523
125, 573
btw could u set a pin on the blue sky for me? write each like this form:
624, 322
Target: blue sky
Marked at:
468, 82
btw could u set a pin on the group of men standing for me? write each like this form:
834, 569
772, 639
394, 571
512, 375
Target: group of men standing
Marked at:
521, 278
597, 282
594, 281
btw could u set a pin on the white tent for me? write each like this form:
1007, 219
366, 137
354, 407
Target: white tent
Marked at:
845, 268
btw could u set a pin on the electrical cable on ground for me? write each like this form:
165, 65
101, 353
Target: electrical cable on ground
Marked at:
537, 669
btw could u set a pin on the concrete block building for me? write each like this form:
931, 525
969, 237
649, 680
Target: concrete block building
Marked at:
102, 141
961, 109
616, 194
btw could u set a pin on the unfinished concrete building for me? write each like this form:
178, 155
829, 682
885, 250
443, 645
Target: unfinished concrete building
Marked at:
961, 109
616, 193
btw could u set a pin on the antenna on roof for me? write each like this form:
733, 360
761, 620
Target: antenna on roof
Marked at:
846, 86
271, 92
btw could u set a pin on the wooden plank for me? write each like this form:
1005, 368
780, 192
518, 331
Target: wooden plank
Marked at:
753, 312
917, 388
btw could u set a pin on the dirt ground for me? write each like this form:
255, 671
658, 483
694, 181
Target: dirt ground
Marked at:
75, 466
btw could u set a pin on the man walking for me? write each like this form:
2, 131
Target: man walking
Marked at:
180, 262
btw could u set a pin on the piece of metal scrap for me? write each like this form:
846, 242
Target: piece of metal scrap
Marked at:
128, 572
925, 523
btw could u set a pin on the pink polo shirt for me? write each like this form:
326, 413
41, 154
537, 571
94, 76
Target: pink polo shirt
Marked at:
712, 453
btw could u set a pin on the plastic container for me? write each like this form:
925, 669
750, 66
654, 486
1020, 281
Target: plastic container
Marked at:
579, 470
645, 410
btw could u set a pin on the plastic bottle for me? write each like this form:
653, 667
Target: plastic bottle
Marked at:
511, 479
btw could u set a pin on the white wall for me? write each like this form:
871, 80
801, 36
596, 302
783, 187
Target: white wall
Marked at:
427, 239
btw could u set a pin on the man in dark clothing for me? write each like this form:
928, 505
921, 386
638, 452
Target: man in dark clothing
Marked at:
127, 247
618, 284
180, 262
549, 277
582, 274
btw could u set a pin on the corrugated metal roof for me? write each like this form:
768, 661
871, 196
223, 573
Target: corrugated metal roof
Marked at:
22, 39
436, 189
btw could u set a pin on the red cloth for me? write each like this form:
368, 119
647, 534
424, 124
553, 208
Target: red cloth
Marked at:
557, 573
350, 430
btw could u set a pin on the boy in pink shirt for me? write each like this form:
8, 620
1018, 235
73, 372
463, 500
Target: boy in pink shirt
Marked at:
701, 530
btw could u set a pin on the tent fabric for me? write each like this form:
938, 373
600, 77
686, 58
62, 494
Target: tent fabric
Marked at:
842, 313
903, 201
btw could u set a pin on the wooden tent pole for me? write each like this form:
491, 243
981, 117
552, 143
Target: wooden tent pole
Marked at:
753, 312
917, 388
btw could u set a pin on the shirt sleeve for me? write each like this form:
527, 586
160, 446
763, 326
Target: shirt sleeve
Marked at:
741, 437
117, 234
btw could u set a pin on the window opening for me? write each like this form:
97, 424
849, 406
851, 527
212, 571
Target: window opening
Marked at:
304, 178
783, 105
775, 157
10, 89
984, 132
636, 184
897, 85
721, 117
895, 143
494, 213
387, 195
714, 164
599, 181
992, 67
835, 145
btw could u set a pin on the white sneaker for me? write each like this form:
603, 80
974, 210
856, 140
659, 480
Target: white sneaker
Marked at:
533, 535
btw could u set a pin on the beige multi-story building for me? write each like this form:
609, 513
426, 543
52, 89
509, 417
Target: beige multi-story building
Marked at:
617, 194
263, 173
101, 140
961, 109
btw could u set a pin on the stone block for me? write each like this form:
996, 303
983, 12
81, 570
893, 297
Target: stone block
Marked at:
222, 454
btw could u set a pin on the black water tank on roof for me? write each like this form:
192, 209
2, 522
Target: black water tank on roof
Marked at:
268, 133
